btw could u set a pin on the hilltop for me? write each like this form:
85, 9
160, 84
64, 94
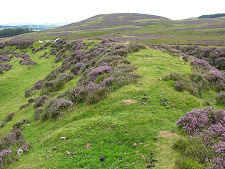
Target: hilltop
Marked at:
114, 91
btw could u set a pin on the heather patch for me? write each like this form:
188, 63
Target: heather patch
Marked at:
206, 128
104, 68
40, 101
220, 98
20, 44
213, 56
4, 58
9, 146
5, 67
55, 108
203, 77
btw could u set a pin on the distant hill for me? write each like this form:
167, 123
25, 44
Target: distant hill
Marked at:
143, 28
33, 27
212, 15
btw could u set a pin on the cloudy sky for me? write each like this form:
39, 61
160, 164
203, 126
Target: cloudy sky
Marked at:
53, 11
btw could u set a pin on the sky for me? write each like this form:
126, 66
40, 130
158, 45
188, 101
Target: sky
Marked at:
55, 11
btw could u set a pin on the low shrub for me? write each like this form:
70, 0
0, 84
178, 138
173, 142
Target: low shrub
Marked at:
220, 98
30, 92
97, 71
3, 124
27, 62
24, 106
41, 100
9, 117
95, 96
6, 67
19, 124
200, 63
38, 84
37, 113
108, 81
220, 63
179, 85
4, 58
55, 108
135, 47
206, 130
31, 100
9, 145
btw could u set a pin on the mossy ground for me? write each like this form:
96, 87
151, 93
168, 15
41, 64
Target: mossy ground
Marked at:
108, 128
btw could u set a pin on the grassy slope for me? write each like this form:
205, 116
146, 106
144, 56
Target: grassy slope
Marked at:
95, 130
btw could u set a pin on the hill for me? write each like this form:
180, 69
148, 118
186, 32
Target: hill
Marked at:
104, 100
142, 28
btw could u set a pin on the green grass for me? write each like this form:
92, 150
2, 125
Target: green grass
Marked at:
95, 130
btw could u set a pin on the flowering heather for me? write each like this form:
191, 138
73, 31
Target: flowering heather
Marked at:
27, 62
13, 138
41, 100
78, 68
66, 77
8, 143
26, 147
200, 63
22, 56
53, 51
179, 85
38, 84
3, 156
99, 70
59, 105
4, 58
220, 98
208, 126
217, 79
210, 54
220, 63
107, 81
78, 44
6, 67
95, 65
55, 108
21, 44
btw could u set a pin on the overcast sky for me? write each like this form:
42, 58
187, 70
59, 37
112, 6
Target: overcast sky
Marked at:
52, 11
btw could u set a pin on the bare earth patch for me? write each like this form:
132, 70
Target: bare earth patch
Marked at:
130, 101
166, 134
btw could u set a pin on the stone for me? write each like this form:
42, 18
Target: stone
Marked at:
102, 158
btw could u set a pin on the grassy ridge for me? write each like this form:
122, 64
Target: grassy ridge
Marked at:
109, 128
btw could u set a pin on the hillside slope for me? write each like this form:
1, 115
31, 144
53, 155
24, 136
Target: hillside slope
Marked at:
110, 102
128, 127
